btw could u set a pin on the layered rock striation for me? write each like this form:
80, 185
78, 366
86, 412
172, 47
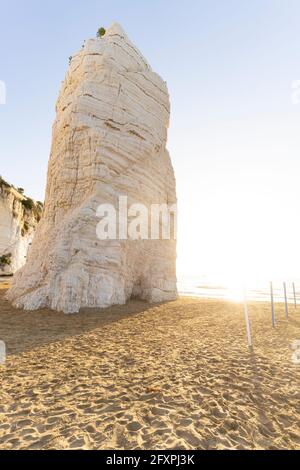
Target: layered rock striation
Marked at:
109, 140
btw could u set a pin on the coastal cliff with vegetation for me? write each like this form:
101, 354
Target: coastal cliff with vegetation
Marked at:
19, 216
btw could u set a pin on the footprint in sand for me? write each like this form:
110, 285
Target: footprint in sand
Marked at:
134, 426
190, 437
156, 411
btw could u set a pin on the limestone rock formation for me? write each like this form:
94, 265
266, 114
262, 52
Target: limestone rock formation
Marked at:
109, 140
19, 217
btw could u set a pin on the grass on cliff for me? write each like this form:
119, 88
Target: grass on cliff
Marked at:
5, 260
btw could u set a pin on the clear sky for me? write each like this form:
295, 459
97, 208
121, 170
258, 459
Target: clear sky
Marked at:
234, 136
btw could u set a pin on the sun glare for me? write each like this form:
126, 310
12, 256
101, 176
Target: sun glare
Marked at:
235, 294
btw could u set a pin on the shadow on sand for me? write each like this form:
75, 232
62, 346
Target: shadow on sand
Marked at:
25, 330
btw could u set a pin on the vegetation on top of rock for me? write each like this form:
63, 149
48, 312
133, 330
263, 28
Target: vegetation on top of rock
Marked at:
70, 59
20, 190
5, 260
101, 32
4, 183
36, 208
28, 203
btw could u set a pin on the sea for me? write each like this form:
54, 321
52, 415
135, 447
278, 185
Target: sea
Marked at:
204, 287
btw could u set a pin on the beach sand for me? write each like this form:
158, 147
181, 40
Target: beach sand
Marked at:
173, 376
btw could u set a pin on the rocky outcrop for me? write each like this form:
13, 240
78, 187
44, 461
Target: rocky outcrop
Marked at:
109, 140
19, 217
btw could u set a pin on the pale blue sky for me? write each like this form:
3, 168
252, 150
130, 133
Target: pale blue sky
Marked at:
234, 136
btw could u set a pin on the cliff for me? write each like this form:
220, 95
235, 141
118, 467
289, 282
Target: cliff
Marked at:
19, 217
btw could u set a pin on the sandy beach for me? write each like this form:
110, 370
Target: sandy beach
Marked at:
173, 376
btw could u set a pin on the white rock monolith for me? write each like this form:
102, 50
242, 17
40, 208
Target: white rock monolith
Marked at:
109, 142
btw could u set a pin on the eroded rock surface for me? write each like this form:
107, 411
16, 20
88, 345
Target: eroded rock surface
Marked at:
109, 140
19, 217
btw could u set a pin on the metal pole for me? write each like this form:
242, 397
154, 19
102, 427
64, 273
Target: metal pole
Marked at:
2, 353
295, 300
272, 305
286, 302
248, 327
